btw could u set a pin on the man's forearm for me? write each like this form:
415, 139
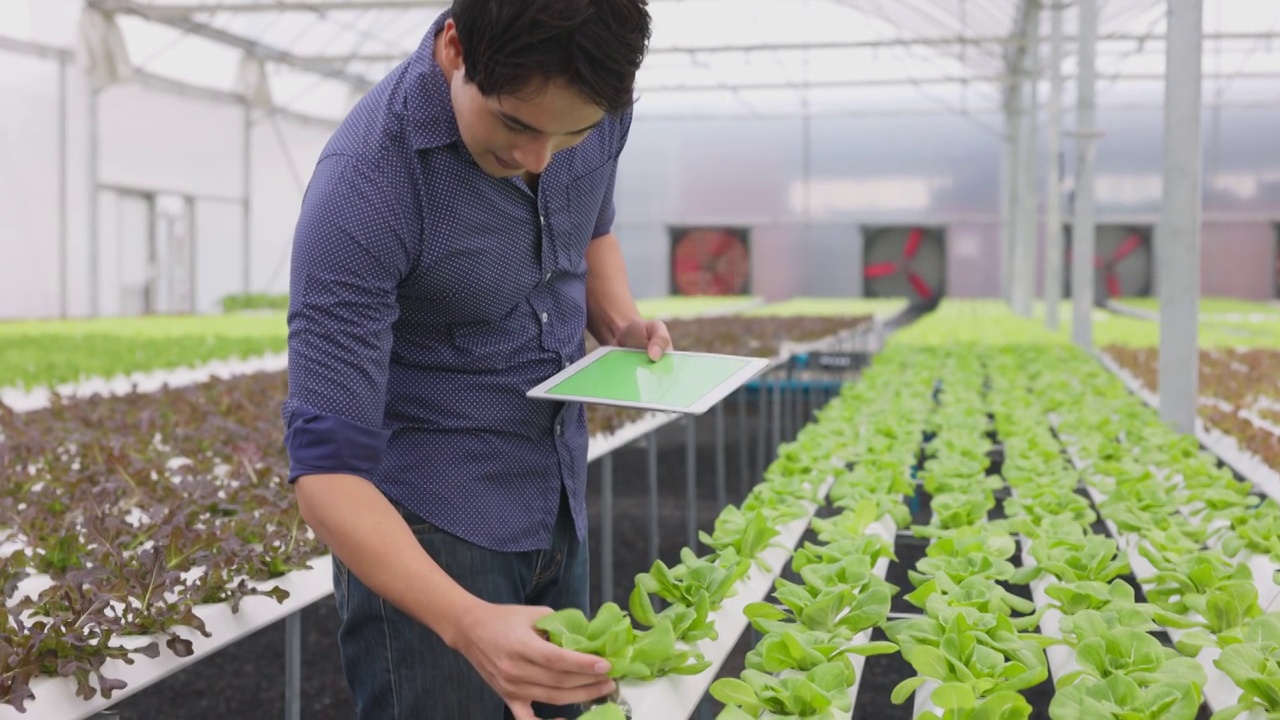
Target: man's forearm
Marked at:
363, 529
610, 304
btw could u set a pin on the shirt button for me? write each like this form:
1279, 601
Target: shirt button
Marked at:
547, 277
544, 317
560, 427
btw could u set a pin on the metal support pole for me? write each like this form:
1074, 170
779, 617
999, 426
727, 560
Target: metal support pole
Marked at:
246, 280
293, 666
743, 470
95, 253
651, 454
762, 425
1178, 240
1083, 240
1009, 199
776, 421
606, 528
788, 407
63, 304
1053, 190
1024, 245
722, 493
691, 482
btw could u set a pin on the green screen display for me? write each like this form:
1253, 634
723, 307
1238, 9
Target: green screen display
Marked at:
675, 380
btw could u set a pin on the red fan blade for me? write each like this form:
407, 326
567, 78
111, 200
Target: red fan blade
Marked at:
922, 288
913, 243
880, 270
1113, 285
1131, 243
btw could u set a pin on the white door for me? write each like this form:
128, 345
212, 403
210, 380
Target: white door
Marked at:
173, 291
135, 263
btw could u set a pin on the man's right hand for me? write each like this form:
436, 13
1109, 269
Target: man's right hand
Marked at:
503, 644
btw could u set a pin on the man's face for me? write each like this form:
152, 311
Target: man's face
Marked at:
513, 135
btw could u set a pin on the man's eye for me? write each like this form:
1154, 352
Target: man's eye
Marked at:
515, 128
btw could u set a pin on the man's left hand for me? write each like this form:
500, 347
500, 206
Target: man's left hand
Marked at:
651, 335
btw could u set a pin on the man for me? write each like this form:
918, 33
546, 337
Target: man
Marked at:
454, 244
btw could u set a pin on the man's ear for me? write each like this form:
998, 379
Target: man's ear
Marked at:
449, 54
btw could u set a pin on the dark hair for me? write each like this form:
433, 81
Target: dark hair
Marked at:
514, 46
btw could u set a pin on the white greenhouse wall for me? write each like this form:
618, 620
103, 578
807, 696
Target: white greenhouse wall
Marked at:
219, 253
280, 172
30, 216
163, 142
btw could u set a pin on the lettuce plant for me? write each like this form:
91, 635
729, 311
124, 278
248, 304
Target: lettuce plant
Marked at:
694, 578
957, 702
871, 547
609, 635
1077, 558
819, 694
984, 652
1119, 697
1103, 651
840, 611
804, 650
978, 593
747, 534
1253, 663
957, 509
606, 711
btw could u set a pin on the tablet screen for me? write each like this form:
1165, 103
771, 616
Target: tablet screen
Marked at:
677, 380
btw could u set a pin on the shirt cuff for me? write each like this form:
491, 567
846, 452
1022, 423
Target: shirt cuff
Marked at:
318, 443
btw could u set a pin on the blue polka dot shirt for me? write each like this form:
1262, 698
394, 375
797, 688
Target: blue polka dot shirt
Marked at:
427, 298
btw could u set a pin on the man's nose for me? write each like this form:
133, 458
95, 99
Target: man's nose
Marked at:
534, 154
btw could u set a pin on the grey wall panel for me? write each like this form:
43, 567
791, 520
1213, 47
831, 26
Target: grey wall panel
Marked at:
776, 271
932, 169
973, 259
1237, 260
832, 261
904, 169
645, 250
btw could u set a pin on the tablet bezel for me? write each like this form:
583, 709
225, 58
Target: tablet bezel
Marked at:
753, 367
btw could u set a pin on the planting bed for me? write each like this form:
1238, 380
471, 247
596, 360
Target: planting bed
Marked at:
987, 525
677, 306
767, 337
1238, 390
818, 307
66, 351
1083, 561
129, 519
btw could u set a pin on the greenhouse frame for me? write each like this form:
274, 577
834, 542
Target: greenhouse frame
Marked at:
1012, 268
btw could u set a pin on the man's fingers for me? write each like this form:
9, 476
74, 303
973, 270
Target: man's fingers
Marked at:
558, 660
561, 696
521, 710
659, 340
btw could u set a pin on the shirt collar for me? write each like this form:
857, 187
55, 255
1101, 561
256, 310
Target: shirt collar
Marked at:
431, 121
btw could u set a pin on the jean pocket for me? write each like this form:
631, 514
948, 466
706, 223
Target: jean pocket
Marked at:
342, 583
417, 525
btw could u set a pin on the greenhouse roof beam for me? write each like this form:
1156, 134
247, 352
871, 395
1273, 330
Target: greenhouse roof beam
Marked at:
180, 10
160, 83
939, 80
253, 47
842, 45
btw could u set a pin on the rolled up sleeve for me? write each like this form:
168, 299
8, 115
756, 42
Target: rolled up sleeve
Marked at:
350, 252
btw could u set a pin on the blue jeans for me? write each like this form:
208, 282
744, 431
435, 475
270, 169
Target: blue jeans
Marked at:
398, 669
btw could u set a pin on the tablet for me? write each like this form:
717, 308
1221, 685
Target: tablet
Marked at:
681, 382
